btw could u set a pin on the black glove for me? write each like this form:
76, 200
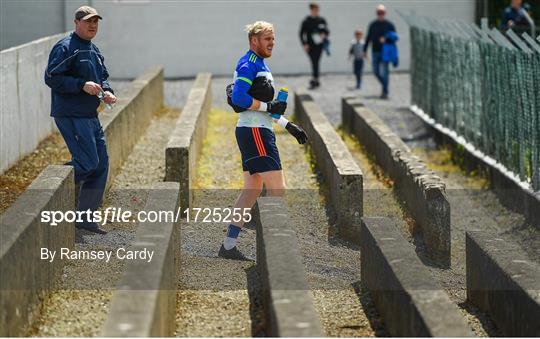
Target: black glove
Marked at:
297, 132
236, 108
276, 107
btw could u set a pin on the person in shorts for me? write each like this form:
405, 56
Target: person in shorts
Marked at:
252, 96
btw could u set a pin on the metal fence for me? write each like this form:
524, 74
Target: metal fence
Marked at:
483, 85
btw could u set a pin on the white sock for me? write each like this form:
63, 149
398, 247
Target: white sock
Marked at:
229, 243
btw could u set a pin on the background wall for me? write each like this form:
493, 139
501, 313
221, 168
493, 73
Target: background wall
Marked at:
22, 21
191, 36
25, 99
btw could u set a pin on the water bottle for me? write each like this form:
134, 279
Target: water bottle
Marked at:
101, 96
282, 96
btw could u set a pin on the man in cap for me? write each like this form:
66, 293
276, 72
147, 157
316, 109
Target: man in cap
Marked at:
376, 36
77, 75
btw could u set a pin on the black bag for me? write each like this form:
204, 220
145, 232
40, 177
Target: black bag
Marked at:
261, 89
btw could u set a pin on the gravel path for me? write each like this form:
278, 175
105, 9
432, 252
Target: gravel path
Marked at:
473, 207
381, 200
230, 290
217, 297
80, 306
332, 266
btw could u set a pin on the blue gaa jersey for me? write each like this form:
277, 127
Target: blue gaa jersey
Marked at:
249, 67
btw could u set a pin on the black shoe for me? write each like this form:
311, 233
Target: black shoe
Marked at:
92, 227
233, 254
384, 96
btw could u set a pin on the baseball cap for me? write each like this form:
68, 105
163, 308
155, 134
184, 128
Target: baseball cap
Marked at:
381, 9
86, 12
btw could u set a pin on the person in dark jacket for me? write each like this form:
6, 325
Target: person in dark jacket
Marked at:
376, 37
517, 17
77, 75
313, 36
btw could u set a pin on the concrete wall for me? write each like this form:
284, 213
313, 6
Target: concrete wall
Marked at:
287, 300
504, 282
207, 36
26, 100
144, 303
411, 303
25, 278
423, 192
341, 173
24, 21
21, 232
185, 142
127, 121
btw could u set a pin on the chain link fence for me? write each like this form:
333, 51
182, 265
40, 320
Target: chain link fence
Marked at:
483, 85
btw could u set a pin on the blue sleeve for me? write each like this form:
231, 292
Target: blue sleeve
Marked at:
104, 74
56, 73
245, 74
391, 37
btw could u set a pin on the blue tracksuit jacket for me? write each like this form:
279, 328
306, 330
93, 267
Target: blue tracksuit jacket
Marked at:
72, 62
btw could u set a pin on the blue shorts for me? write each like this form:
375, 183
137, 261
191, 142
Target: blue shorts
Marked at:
258, 149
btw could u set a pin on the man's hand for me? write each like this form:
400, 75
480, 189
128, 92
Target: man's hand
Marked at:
382, 40
297, 132
276, 107
306, 48
109, 98
92, 88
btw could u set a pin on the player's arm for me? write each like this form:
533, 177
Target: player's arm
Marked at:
240, 96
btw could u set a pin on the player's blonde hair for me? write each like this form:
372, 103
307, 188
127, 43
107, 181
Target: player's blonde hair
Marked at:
257, 28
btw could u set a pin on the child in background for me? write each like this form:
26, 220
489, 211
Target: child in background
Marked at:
356, 52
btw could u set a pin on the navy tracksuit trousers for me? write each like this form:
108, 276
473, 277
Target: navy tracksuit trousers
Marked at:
86, 143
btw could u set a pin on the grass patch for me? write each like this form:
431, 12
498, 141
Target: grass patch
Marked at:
220, 166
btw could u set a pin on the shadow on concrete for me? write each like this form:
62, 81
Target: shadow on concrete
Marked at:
487, 324
256, 310
371, 97
375, 321
331, 215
